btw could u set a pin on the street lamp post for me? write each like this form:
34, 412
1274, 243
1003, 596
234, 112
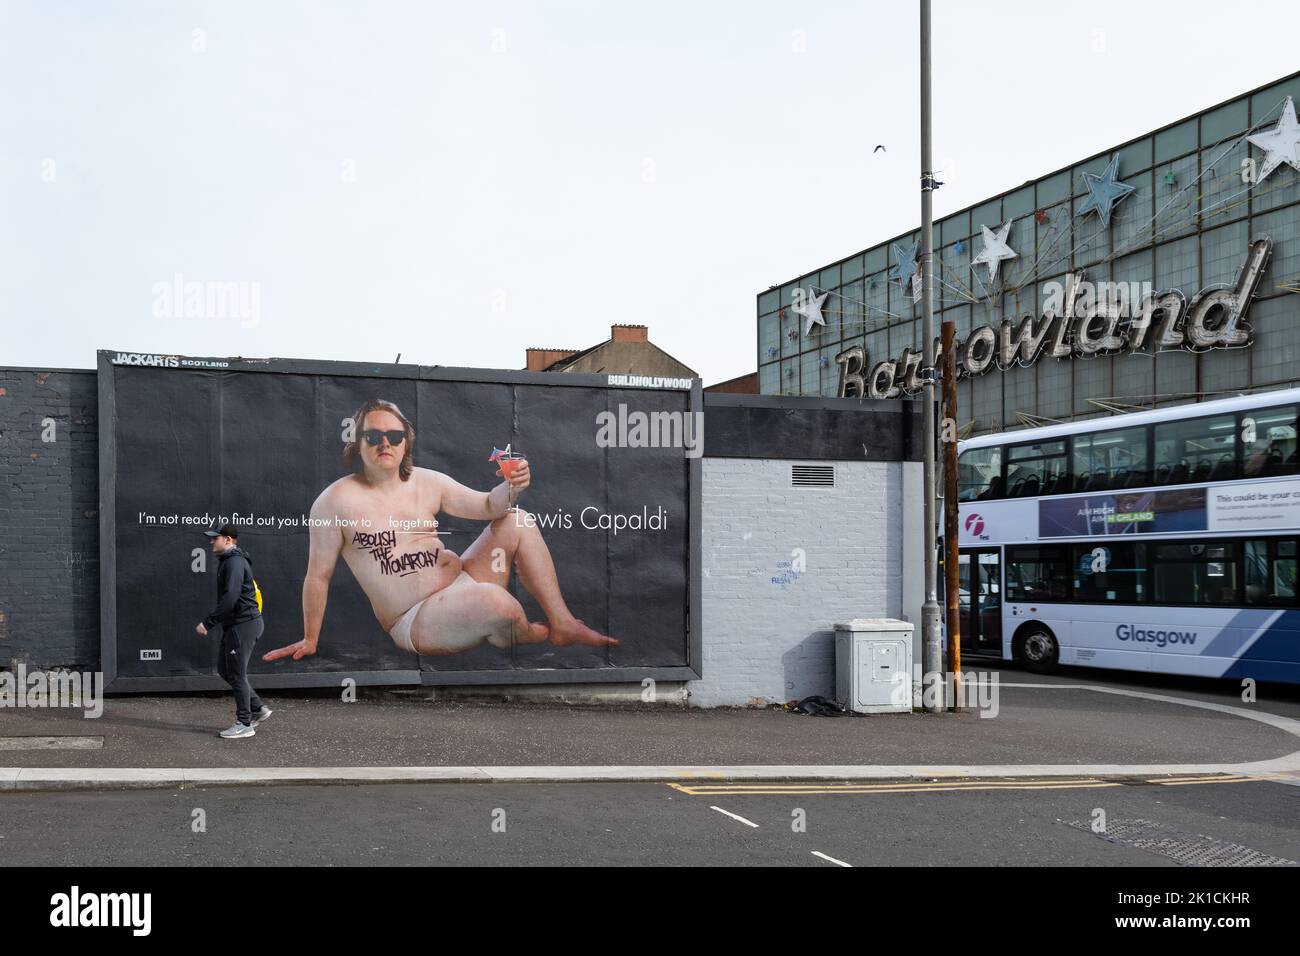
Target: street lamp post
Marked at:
931, 649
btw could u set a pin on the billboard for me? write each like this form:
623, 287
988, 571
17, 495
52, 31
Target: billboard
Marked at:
1142, 512
1260, 506
374, 505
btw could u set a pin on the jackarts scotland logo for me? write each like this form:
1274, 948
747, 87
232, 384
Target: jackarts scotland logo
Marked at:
141, 358
164, 361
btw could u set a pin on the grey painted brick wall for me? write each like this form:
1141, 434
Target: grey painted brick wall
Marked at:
773, 640
49, 522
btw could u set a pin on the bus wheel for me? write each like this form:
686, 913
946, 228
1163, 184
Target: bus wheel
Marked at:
1036, 646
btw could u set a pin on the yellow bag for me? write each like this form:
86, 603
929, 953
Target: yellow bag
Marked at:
257, 593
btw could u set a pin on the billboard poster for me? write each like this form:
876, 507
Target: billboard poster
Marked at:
1119, 513
376, 506
1259, 506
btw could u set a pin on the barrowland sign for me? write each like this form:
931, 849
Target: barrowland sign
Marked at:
1079, 319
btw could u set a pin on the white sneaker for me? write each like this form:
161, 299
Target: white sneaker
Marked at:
262, 714
238, 730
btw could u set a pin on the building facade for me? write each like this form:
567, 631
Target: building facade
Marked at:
627, 351
1086, 253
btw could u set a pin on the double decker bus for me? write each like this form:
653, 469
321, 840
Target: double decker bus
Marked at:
1162, 541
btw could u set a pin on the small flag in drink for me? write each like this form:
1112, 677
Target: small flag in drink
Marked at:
508, 462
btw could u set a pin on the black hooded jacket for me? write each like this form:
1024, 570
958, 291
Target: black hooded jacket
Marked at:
236, 602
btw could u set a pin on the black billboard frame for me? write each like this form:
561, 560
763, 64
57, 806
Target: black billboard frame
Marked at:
106, 368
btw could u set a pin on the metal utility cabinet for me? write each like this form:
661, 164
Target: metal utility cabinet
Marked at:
873, 665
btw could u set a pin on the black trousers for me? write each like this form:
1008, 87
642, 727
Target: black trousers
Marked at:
237, 642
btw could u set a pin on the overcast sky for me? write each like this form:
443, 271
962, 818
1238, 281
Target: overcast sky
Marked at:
458, 181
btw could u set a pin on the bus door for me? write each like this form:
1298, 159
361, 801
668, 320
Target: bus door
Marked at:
980, 594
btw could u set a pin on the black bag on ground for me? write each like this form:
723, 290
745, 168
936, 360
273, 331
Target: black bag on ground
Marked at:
818, 707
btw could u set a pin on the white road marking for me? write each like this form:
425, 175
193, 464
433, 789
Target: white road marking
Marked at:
728, 813
830, 858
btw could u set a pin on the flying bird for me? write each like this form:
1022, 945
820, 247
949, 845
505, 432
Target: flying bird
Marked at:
880, 148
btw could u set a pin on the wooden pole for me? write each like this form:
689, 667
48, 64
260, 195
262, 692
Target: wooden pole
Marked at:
951, 560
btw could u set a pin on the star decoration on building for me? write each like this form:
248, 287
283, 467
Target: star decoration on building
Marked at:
1105, 191
995, 250
1281, 144
904, 266
811, 309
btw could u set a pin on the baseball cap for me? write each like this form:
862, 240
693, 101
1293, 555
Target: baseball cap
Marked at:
229, 530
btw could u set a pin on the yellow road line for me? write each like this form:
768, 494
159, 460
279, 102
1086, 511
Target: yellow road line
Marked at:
946, 786
1233, 778
866, 784
897, 787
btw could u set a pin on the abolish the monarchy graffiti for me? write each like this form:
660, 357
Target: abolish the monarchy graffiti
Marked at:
1079, 319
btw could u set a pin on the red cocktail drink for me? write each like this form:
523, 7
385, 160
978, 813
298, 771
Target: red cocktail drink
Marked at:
509, 464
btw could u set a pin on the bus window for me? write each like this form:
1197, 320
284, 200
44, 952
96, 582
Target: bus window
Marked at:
1196, 449
1038, 573
979, 474
1270, 571
1110, 572
1036, 469
1268, 442
1196, 574
1113, 459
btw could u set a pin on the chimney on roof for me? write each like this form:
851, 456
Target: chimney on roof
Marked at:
629, 333
541, 359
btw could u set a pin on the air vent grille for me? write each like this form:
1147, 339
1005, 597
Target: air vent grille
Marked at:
812, 476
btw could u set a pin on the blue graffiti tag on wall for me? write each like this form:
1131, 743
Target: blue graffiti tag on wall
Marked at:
785, 573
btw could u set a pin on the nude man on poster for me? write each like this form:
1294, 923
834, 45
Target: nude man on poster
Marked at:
382, 518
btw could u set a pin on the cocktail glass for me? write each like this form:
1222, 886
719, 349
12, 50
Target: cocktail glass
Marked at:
509, 463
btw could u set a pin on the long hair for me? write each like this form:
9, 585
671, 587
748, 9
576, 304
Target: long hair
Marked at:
352, 450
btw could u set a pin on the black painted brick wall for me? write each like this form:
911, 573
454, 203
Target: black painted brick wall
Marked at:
49, 519
49, 492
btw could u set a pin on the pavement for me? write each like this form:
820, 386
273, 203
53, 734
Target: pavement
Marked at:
1082, 768
1079, 722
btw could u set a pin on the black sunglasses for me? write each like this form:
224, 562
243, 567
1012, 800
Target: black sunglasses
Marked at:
374, 436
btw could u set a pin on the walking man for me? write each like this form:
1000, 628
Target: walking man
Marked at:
241, 625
